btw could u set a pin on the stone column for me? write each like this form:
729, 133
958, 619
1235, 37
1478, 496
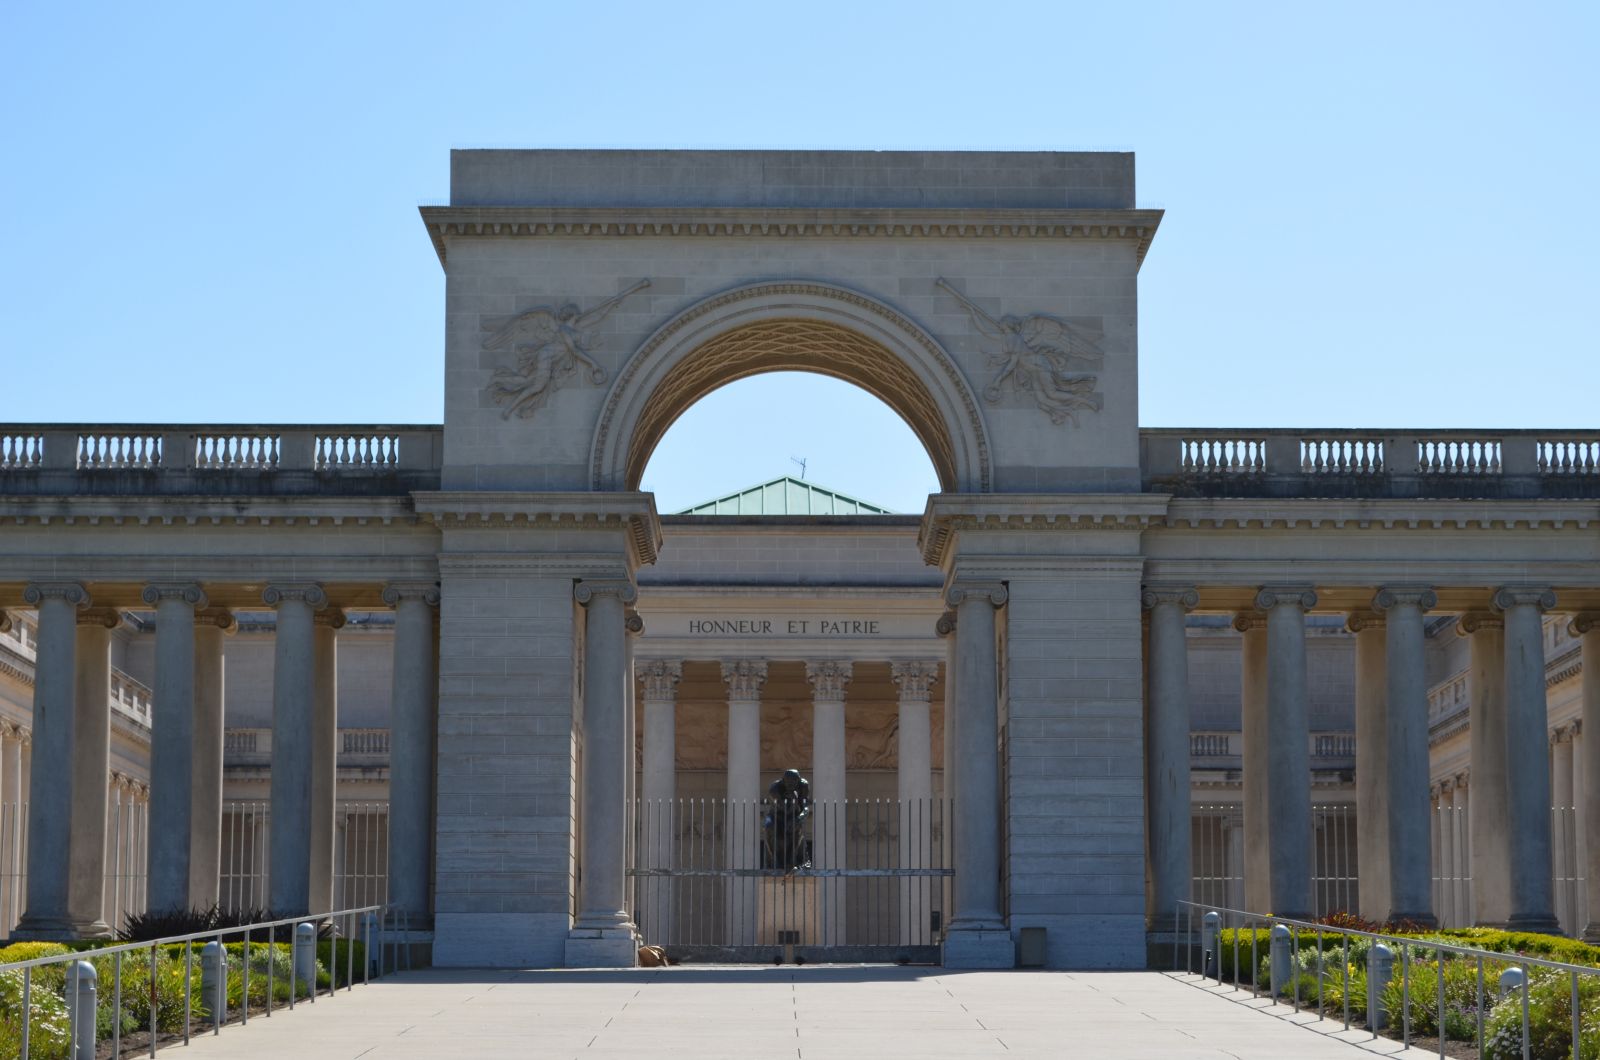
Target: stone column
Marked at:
945, 627
977, 936
1527, 758
1372, 763
602, 936
1410, 876
205, 836
1167, 754
1254, 761
1235, 861
1490, 820
1447, 847
413, 705
1587, 626
829, 805
91, 764
47, 914
1289, 736
914, 774
744, 678
11, 818
659, 790
1461, 867
633, 624
1563, 803
293, 694
324, 756
172, 714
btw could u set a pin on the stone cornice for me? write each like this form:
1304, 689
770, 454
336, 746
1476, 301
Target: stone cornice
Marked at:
950, 513
1288, 514
577, 510
205, 511
795, 222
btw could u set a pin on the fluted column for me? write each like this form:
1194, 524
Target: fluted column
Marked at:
1167, 753
1410, 874
1587, 626
411, 746
324, 756
1372, 758
659, 790
744, 678
91, 763
1461, 869
1447, 846
1255, 760
1489, 820
1563, 803
914, 786
1528, 757
829, 805
205, 836
48, 914
294, 683
172, 713
977, 936
1289, 736
602, 935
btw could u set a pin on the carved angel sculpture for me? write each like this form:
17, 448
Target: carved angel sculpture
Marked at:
550, 344
1038, 354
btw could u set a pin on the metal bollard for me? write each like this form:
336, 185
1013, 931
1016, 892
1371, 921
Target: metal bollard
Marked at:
1380, 969
81, 978
1282, 963
214, 980
1210, 930
305, 956
1511, 979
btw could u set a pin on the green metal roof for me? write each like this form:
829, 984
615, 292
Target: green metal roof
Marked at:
786, 496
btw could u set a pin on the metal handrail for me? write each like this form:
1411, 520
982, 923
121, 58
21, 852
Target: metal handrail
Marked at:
359, 920
1186, 936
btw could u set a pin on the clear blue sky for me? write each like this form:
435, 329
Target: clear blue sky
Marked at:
1378, 213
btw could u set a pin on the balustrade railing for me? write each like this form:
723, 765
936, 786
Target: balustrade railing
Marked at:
1231, 744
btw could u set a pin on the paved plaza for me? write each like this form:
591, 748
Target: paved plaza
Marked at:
807, 1013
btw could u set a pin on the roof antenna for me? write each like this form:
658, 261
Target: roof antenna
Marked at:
802, 462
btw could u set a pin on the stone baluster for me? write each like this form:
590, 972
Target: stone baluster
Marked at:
1167, 754
977, 936
659, 788
1410, 875
1527, 757
294, 684
1489, 821
411, 746
914, 786
829, 796
602, 936
744, 678
1255, 760
48, 914
1289, 736
172, 714
205, 843
91, 763
1372, 758
324, 756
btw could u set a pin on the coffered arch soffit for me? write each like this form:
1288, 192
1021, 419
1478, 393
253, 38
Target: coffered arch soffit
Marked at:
794, 326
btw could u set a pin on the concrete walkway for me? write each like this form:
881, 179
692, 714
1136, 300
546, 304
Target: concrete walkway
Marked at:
814, 1013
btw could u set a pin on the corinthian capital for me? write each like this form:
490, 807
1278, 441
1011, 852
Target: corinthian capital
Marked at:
661, 679
914, 679
828, 678
745, 678
1508, 596
304, 592
587, 590
73, 593
1419, 596
185, 592
1270, 596
427, 592
1154, 596
961, 591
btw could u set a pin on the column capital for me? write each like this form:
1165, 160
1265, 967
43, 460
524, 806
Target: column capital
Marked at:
109, 617
745, 678
1509, 596
660, 678
915, 679
1463, 779
1245, 621
946, 624
188, 592
587, 590
427, 592
1361, 621
1271, 596
632, 621
5, 622
828, 678
1419, 596
305, 592
220, 617
962, 590
73, 593
1473, 621
333, 618
1564, 733
1185, 596
1584, 622
1446, 785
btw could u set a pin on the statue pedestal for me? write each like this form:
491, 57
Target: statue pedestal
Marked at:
787, 914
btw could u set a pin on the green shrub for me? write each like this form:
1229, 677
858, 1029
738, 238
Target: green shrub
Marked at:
31, 951
49, 1033
1460, 997
1549, 1019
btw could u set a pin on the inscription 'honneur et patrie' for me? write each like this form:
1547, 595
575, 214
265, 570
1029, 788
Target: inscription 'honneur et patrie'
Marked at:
766, 627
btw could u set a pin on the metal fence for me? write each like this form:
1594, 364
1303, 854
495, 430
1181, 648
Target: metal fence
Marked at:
1217, 856
360, 863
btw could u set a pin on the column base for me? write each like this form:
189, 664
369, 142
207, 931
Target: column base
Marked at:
1535, 925
59, 929
1591, 933
979, 948
610, 947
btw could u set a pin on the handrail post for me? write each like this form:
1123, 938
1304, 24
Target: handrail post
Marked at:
81, 979
1380, 969
305, 959
214, 981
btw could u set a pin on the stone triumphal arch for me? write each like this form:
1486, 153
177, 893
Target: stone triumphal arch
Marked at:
1009, 708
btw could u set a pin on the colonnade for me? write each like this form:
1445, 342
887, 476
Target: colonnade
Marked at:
67, 800
1511, 769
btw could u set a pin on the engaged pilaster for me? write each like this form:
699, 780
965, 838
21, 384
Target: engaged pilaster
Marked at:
1587, 626
914, 754
742, 826
411, 745
294, 686
829, 803
1289, 734
1167, 753
659, 789
1527, 757
1410, 873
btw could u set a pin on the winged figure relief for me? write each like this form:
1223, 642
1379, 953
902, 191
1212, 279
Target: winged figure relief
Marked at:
549, 344
1045, 356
